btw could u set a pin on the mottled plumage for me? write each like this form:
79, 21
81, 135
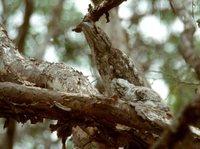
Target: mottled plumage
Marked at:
110, 62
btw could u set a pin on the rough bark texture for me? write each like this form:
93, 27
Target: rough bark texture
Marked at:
111, 119
57, 76
136, 116
102, 8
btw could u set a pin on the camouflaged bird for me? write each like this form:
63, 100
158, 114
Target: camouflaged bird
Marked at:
111, 62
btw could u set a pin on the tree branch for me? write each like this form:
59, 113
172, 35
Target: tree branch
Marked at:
20, 40
119, 117
186, 46
96, 12
113, 117
57, 76
136, 116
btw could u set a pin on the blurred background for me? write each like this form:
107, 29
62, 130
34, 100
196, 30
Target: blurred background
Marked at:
146, 30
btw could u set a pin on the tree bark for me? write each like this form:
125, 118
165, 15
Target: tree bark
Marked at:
115, 119
36, 90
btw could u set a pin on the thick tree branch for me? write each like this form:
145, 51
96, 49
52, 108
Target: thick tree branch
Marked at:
114, 65
20, 43
136, 119
77, 109
135, 115
56, 76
